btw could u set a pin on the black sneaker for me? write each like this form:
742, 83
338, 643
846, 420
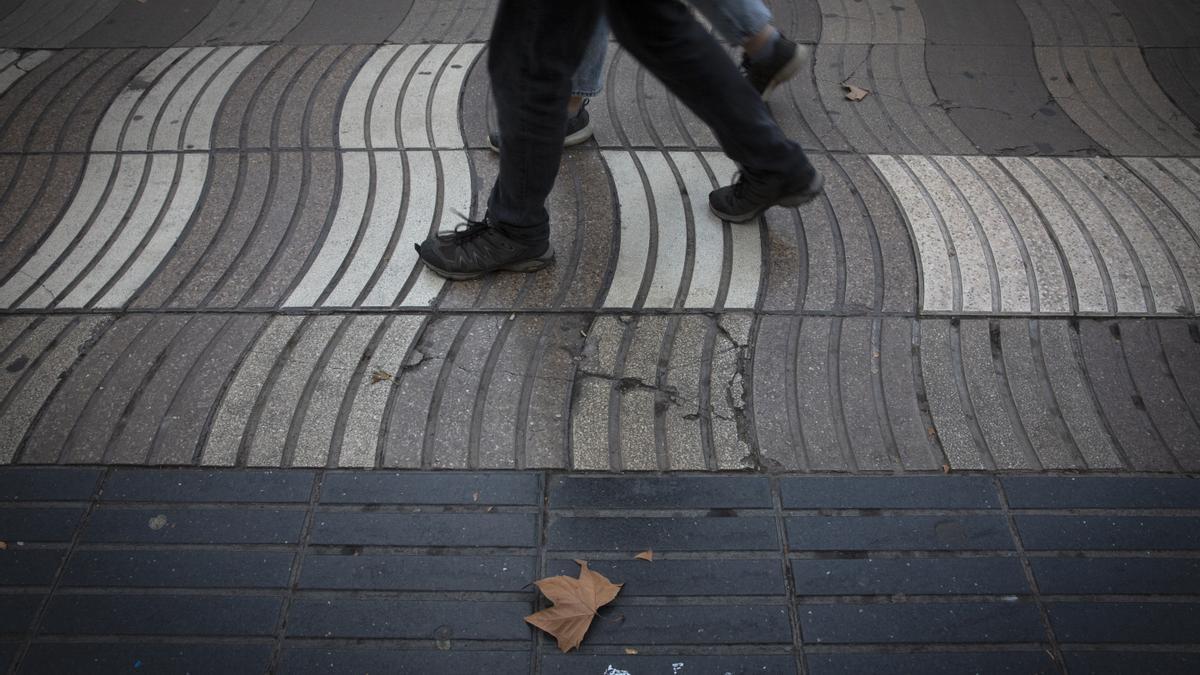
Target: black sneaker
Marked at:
751, 194
579, 129
785, 60
477, 248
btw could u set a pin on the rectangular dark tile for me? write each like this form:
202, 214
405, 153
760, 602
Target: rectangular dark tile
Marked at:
181, 569
510, 574
660, 492
307, 661
53, 524
888, 492
370, 487
1115, 576
47, 485
1102, 492
218, 486
911, 576
898, 533
662, 534
8, 652
195, 526
690, 625
57, 658
1124, 533
425, 529
130, 614
17, 612
684, 577
1122, 663
20, 566
1148, 622
347, 617
740, 664
921, 623
993, 663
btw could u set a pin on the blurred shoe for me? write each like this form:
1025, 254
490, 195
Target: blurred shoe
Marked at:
752, 193
477, 248
579, 129
783, 63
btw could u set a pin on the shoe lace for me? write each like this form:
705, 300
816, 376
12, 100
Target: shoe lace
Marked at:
466, 231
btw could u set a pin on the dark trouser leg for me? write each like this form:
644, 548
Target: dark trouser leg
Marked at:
535, 47
664, 37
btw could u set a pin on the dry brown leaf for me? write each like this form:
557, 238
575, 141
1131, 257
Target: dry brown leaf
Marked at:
630, 651
945, 468
575, 604
3, 545
379, 376
854, 93
646, 555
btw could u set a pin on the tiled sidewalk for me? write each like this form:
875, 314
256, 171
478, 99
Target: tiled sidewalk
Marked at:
336, 571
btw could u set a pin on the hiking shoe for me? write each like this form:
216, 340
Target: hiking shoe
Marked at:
477, 248
579, 129
785, 60
751, 194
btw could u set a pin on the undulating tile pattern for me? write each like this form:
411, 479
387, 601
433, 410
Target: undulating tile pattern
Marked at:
208, 212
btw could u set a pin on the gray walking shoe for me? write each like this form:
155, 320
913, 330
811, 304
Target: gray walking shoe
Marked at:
579, 129
751, 194
477, 248
784, 62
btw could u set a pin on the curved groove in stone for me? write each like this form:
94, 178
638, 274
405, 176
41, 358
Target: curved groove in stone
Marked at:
871, 22
239, 22
1077, 23
52, 23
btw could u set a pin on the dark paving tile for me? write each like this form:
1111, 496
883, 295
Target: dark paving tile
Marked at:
17, 613
21, 566
901, 492
442, 21
1115, 576
509, 574
1014, 663
53, 658
173, 569
39, 188
1124, 533
8, 652
1137, 622
302, 661
353, 487
371, 618
47, 485
690, 625
161, 615
187, 485
741, 664
684, 577
1115, 663
39, 524
1101, 492
349, 22
974, 22
192, 526
424, 529
37, 23
911, 576
899, 533
668, 492
996, 96
135, 23
921, 623
1177, 71
1163, 24
240, 22
662, 534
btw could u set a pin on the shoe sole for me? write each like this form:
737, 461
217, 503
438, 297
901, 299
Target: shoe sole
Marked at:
789, 70
531, 265
580, 136
810, 193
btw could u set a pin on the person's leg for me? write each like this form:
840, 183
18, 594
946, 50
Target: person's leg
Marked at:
770, 59
664, 37
535, 47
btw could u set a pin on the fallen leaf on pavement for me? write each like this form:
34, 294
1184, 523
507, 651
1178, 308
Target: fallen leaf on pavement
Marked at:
854, 93
646, 555
379, 376
630, 651
575, 604
3, 545
945, 468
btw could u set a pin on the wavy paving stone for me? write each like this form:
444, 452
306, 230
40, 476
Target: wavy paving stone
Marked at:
871, 22
344, 22
134, 23
1077, 23
987, 80
441, 21
52, 23
1162, 24
986, 233
16, 64
1110, 93
1177, 71
240, 22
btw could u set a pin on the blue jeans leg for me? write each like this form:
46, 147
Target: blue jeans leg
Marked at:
735, 20
588, 80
